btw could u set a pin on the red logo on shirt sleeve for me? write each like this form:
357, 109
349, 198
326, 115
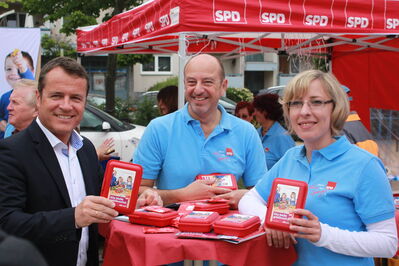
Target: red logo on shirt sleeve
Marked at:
229, 152
331, 185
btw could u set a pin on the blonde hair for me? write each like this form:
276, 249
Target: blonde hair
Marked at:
31, 94
299, 86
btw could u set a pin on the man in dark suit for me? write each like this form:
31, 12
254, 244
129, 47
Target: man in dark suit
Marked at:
49, 174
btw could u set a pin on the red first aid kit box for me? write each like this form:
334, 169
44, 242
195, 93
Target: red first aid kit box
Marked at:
237, 225
221, 180
396, 200
148, 216
206, 205
285, 196
197, 221
121, 185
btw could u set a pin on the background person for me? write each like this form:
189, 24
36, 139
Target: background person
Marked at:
22, 109
275, 139
245, 111
200, 138
349, 213
356, 132
167, 100
18, 64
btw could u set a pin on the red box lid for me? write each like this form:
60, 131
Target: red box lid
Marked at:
237, 225
285, 196
221, 180
197, 221
144, 216
121, 185
221, 208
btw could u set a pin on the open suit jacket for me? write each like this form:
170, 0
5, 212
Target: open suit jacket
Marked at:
34, 200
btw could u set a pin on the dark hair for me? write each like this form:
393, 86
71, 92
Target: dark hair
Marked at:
27, 56
221, 72
269, 103
242, 105
168, 96
69, 65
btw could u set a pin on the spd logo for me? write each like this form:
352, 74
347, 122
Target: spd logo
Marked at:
227, 16
149, 27
316, 20
136, 32
357, 22
392, 23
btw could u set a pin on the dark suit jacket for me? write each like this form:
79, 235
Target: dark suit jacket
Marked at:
34, 201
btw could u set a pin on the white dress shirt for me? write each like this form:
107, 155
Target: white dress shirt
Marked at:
69, 163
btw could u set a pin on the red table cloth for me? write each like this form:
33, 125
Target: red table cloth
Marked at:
126, 244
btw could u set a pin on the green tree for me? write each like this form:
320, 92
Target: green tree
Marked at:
84, 13
53, 46
5, 3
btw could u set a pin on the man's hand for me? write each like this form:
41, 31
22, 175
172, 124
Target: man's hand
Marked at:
3, 125
149, 197
233, 197
94, 209
279, 239
201, 189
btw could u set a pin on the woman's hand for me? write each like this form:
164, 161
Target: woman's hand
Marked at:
279, 239
306, 228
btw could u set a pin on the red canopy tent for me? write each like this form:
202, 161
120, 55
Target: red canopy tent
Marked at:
240, 27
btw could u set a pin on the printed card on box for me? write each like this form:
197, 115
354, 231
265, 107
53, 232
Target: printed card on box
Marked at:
121, 185
221, 180
286, 195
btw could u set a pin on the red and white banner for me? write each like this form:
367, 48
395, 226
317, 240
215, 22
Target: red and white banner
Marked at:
165, 19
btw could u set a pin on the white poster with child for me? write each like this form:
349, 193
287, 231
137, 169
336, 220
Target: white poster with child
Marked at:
18, 55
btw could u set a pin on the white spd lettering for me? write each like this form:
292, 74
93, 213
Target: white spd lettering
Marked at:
273, 18
125, 37
316, 20
355, 22
114, 40
104, 42
164, 20
149, 27
227, 16
392, 23
136, 32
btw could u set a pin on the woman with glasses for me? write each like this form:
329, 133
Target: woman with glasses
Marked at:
275, 139
349, 213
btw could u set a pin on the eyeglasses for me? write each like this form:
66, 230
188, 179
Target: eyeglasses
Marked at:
312, 104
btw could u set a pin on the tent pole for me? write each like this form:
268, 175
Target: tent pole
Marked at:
182, 61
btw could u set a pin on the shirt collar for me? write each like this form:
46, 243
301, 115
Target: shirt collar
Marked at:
76, 141
335, 149
225, 120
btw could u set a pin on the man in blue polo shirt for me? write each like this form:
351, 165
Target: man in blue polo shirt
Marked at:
200, 138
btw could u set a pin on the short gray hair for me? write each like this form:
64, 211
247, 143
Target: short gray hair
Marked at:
31, 94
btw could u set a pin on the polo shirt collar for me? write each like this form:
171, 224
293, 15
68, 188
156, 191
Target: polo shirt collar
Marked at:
273, 129
335, 149
76, 141
225, 120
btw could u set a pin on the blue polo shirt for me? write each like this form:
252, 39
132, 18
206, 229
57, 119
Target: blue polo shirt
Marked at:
347, 188
9, 130
275, 142
174, 150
